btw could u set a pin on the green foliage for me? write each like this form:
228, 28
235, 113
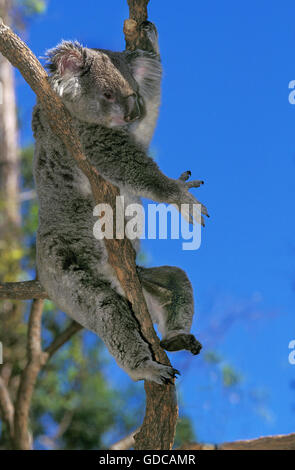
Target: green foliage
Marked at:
29, 8
142, 258
212, 358
27, 154
72, 389
29, 208
184, 432
229, 376
23, 11
10, 255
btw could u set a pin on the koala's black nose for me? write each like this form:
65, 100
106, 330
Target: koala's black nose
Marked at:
132, 108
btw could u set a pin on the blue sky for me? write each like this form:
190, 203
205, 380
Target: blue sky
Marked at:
225, 115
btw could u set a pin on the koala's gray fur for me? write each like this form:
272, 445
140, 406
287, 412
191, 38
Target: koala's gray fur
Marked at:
114, 100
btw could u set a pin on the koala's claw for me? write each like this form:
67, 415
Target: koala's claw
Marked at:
155, 372
182, 341
170, 380
188, 198
185, 176
167, 381
192, 215
194, 184
191, 184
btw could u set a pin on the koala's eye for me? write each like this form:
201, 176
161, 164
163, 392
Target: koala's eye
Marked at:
109, 96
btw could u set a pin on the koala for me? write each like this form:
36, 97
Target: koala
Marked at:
113, 99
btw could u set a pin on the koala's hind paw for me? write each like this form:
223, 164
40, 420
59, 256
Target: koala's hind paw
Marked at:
182, 341
155, 372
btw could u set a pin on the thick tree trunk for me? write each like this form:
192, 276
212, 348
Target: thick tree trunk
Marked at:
10, 222
9, 154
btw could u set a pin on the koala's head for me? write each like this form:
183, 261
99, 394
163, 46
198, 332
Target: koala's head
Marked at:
96, 86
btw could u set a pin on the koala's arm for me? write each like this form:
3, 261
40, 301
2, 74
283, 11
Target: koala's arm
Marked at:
126, 165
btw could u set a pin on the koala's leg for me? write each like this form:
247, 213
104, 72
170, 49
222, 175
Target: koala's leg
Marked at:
92, 302
169, 297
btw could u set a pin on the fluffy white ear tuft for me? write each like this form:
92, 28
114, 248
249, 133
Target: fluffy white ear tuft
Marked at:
70, 62
66, 59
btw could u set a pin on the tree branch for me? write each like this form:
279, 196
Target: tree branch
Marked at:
138, 10
159, 425
133, 35
61, 339
283, 442
7, 408
126, 442
22, 290
36, 359
52, 442
158, 429
280, 442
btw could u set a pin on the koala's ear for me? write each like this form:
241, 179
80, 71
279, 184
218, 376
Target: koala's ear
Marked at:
139, 69
68, 58
146, 69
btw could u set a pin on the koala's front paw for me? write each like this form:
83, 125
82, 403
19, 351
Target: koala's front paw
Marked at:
155, 372
182, 341
189, 211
